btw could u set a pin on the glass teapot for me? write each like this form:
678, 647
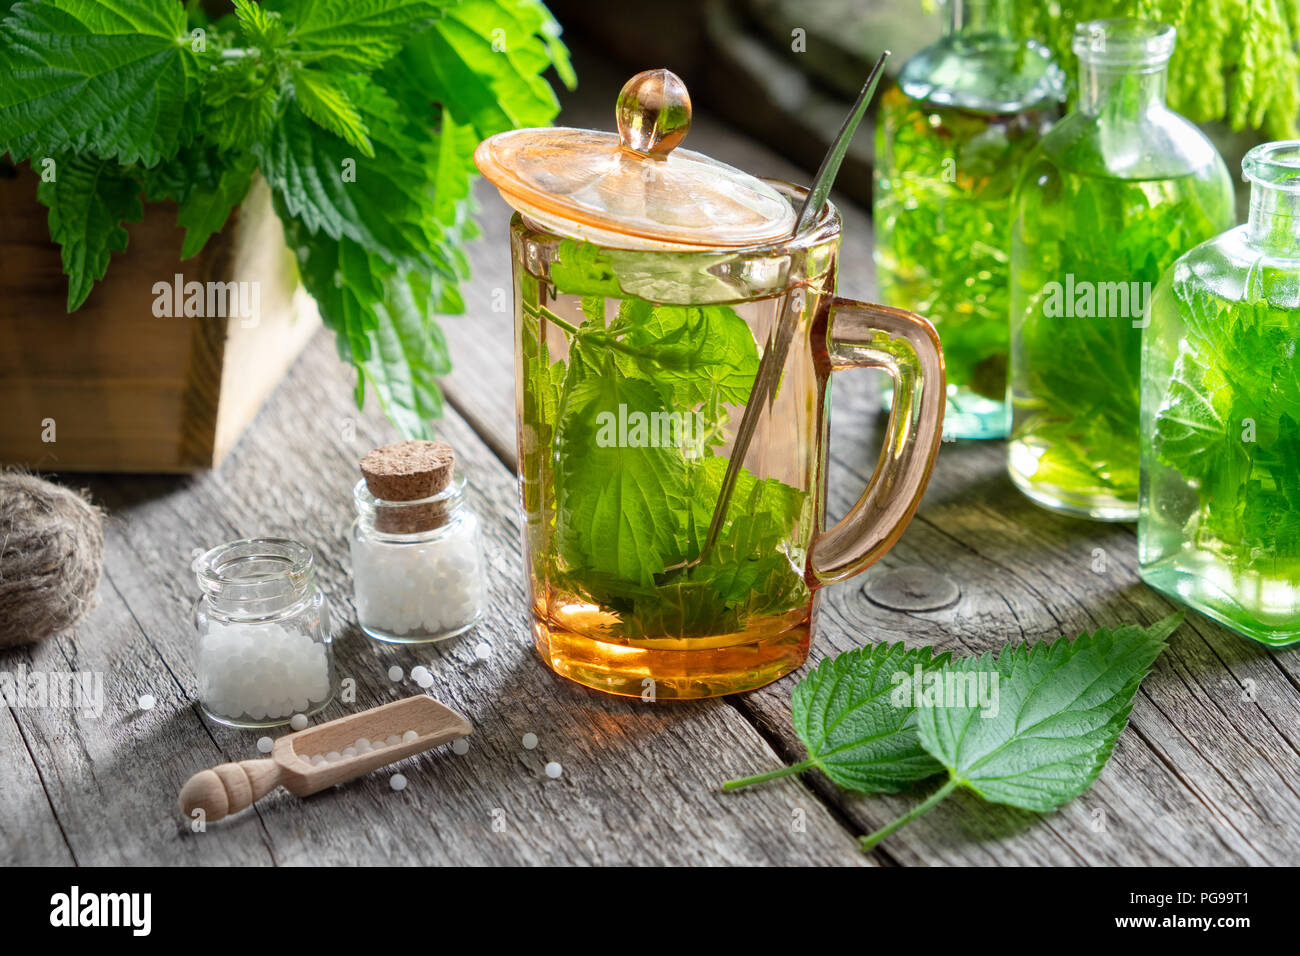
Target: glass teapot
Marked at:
674, 536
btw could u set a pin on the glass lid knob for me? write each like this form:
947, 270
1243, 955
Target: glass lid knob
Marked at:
653, 113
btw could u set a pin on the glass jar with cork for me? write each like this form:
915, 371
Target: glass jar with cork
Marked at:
417, 557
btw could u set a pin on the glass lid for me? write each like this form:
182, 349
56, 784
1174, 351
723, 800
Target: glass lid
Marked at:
634, 184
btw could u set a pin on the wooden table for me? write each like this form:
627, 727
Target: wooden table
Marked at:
1206, 773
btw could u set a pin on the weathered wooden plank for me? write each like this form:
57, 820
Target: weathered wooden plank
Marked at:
111, 776
620, 800
29, 829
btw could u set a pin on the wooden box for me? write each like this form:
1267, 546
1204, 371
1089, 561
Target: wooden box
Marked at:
116, 386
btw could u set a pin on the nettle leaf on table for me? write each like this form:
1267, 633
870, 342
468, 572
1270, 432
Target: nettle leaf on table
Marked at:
1031, 727
848, 714
115, 80
1057, 711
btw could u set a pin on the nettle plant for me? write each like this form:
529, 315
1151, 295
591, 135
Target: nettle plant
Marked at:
361, 115
1236, 60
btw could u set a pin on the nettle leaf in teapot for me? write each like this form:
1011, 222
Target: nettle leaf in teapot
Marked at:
584, 268
624, 511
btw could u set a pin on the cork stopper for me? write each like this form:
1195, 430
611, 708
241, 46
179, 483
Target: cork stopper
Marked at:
409, 471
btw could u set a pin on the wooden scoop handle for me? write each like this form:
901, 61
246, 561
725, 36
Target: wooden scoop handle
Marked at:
228, 788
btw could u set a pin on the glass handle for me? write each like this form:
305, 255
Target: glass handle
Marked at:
862, 335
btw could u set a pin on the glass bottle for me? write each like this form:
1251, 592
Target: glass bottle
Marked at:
952, 138
1219, 526
1115, 193
418, 580
264, 641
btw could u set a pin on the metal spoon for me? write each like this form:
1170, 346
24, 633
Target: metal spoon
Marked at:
778, 346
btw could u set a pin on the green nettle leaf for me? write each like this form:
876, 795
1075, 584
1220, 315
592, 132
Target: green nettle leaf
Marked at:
384, 323
206, 184
328, 106
478, 62
857, 727
368, 160
241, 104
1030, 728
358, 34
1051, 725
264, 29
207, 206
113, 78
617, 504
89, 199
375, 201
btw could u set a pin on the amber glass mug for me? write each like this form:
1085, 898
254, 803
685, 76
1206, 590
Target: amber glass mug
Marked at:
635, 360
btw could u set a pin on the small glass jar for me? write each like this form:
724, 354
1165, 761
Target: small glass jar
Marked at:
1219, 527
413, 587
1114, 193
264, 642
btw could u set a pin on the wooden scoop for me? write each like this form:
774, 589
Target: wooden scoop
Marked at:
232, 787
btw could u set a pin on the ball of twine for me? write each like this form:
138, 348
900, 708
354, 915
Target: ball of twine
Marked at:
51, 552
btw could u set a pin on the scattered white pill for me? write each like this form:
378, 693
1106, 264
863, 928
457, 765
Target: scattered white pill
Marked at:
397, 782
425, 680
393, 740
298, 721
553, 770
409, 736
419, 671
146, 702
394, 673
265, 744
530, 741
483, 651
460, 746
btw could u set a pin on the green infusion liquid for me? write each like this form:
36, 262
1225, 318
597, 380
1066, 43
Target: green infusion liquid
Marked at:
1220, 511
942, 214
1117, 191
951, 140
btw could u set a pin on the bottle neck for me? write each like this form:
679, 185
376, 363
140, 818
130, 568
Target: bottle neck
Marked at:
979, 17
1273, 170
256, 578
421, 516
1120, 90
1274, 222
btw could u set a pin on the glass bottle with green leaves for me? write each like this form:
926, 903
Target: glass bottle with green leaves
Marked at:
952, 137
1219, 525
1114, 194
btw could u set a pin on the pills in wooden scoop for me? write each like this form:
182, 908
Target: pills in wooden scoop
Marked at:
362, 745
